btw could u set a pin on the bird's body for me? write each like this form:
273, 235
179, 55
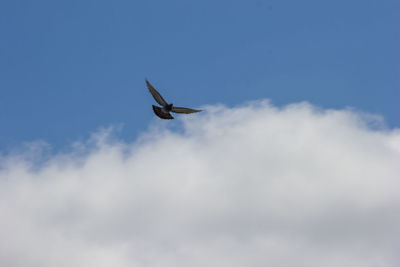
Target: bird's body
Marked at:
163, 112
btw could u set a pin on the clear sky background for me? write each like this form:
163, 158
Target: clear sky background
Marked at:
70, 67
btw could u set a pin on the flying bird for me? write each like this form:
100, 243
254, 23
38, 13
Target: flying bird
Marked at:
164, 111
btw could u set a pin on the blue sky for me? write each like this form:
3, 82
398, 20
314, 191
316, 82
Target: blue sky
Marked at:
70, 67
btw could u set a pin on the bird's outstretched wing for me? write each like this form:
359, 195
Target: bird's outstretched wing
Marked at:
184, 110
160, 100
163, 115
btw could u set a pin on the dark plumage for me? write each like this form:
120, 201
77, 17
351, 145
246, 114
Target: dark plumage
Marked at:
164, 111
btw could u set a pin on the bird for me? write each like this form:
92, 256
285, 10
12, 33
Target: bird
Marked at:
163, 112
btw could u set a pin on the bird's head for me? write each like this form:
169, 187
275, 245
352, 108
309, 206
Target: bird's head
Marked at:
168, 107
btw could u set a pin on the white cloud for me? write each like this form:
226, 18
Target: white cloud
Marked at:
248, 186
